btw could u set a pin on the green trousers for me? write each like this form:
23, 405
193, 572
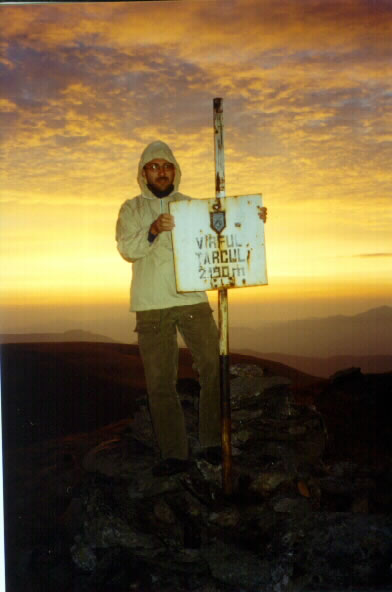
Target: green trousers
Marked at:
157, 338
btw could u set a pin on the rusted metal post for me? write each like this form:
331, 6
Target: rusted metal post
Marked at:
220, 192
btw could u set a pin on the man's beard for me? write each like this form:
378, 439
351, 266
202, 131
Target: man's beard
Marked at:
160, 192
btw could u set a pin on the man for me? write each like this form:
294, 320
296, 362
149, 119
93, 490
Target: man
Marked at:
144, 239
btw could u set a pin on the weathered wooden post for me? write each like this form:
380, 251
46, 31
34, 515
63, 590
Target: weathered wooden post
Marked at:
219, 224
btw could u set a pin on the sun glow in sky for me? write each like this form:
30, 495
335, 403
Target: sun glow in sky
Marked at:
307, 90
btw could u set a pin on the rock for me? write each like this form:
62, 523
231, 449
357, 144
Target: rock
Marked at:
83, 555
145, 485
163, 512
248, 391
238, 568
72, 518
291, 505
241, 437
360, 505
251, 370
141, 428
338, 550
348, 487
107, 458
228, 517
298, 439
277, 450
267, 482
111, 531
346, 374
342, 468
211, 473
303, 489
297, 430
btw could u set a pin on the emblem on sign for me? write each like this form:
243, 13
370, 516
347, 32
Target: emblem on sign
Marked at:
218, 221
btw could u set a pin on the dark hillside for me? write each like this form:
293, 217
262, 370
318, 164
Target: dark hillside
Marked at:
85, 512
357, 409
53, 389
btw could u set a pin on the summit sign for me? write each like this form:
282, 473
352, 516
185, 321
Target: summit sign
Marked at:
218, 243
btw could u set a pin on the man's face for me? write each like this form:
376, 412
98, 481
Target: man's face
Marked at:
159, 173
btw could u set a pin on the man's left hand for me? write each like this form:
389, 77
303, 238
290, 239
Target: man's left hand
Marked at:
262, 213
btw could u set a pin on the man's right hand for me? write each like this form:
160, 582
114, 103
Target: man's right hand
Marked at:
163, 223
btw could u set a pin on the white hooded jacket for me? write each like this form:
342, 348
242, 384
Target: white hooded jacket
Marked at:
153, 283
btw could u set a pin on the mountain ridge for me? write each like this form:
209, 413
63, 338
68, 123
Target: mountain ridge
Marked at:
71, 335
365, 334
326, 366
368, 333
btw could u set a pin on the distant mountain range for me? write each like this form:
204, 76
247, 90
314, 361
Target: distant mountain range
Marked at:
66, 336
364, 334
325, 367
318, 346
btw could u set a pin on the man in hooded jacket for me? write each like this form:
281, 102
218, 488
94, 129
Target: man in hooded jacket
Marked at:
143, 238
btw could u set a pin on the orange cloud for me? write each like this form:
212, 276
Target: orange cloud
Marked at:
307, 90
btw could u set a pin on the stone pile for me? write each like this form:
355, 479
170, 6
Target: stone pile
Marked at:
130, 530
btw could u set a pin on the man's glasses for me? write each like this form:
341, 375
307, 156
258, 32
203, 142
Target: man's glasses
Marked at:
166, 167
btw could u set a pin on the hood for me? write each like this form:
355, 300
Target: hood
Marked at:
157, 149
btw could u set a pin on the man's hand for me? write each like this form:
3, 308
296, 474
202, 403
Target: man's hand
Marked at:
262, 213
164, 223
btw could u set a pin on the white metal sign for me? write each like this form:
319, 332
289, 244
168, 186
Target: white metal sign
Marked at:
218, 244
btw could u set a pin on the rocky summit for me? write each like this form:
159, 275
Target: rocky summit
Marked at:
299, 518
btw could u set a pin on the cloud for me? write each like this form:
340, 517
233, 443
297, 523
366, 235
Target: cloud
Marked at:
306, 88
365, 255
209, 26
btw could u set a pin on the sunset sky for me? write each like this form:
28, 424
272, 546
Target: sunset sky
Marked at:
307, 89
